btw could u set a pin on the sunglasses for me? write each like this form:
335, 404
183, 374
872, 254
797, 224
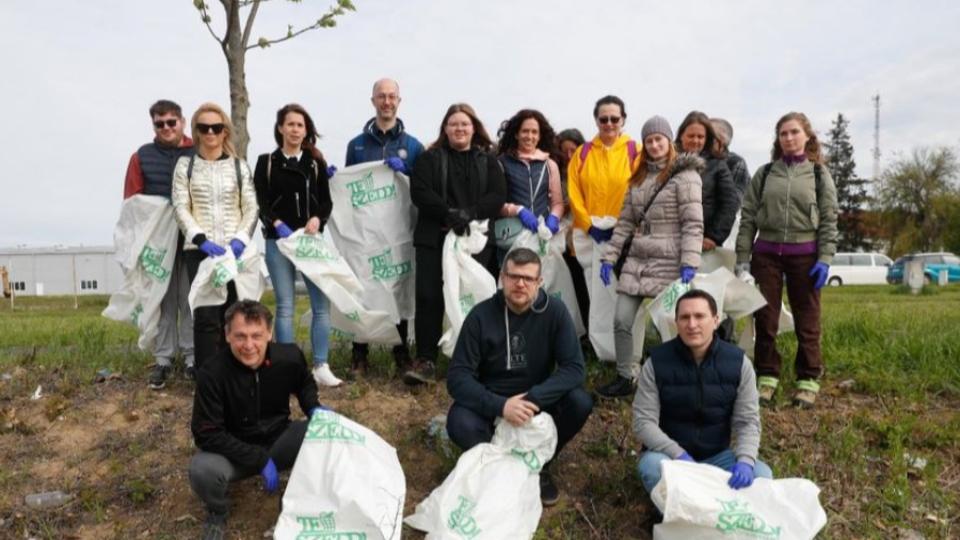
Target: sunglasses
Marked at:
609, 119
208, 128
170, 123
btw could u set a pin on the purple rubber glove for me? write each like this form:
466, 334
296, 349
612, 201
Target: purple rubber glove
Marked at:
606, 270
741, 475
553, 223
237, 247
528, 219
212, 249
599, 235
396, 164
331, 170
686, 274
686, 457
271, 480
820, 272
282, 230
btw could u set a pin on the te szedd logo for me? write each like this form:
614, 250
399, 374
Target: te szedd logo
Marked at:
324, 527
152, 261
736, 518
384, 269
363, 192
326, 426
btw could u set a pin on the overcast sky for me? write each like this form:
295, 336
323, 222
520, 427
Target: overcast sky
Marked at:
78, 77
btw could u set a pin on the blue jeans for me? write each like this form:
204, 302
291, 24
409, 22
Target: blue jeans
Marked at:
649, 466
283, 275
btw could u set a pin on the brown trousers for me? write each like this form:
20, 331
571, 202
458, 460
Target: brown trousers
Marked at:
770, 271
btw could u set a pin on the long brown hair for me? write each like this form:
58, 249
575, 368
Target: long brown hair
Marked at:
480, 138
309, 140
228, 147
697, 117
811, 149
640, 174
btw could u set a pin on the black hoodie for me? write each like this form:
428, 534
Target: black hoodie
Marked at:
545, 362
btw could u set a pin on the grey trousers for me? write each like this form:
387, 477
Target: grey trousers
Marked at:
211, 474
623, 318
176, 320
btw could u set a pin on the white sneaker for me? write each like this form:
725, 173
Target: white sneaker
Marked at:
325, 377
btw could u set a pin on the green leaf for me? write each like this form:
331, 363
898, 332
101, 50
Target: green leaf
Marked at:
198, 4
263, 43
346, 4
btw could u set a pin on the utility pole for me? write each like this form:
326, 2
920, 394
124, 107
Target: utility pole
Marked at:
876, 136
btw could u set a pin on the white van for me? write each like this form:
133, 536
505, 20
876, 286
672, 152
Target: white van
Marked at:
859, 269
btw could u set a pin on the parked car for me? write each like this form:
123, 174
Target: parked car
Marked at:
859, 269
933, 263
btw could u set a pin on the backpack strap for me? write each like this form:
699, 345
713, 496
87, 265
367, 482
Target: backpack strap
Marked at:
190, 168
763, 179
584, 150
632, 151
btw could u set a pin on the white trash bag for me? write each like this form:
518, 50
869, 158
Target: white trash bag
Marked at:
321, 262
494, 491
209, 287
145, 239
466, 282
697, 504
347, 483
603, 299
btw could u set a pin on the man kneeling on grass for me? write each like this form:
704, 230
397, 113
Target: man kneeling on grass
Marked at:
695, 391
241, 411
540, 366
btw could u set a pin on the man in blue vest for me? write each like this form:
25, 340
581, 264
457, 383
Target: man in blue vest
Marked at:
694, 393
384, 139
150, 172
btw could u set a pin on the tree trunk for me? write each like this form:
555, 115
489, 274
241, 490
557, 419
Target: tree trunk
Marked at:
235, 51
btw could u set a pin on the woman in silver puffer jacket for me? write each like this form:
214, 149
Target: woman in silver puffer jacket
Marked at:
661, 229
215, 204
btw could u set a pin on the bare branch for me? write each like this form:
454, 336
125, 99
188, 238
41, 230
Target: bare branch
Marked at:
248, 27
206, 18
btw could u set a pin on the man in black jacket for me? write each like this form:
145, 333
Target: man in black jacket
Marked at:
539, 368
241, 411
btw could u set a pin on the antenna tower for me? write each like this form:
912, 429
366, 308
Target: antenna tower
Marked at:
876, 136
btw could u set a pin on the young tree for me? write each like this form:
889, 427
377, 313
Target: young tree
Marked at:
851, 190
235, 42
917, 194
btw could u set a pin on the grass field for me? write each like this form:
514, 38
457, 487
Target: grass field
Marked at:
891, 395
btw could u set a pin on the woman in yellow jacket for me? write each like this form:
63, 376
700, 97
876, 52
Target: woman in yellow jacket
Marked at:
597, 178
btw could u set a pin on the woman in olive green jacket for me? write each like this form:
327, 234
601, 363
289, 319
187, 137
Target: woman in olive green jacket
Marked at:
788, 233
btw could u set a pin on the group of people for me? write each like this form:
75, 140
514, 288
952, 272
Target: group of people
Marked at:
674, 198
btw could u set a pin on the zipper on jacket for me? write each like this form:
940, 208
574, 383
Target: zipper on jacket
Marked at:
297, 198
256, 378
306, 194
786, 210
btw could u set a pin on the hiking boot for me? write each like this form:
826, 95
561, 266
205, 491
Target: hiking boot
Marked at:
549, 494
190, 373
767, 389
360, 362
158, 377
806, 394
421, 371
401, 357
325, 377
215, 527
617, 388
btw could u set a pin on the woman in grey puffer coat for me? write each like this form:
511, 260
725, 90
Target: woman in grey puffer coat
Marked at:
661, 227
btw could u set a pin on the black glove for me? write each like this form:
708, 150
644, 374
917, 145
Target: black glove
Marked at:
458, 219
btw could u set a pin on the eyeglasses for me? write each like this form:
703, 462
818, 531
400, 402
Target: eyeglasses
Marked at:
170, 123
527, 280
207, 128
609, 119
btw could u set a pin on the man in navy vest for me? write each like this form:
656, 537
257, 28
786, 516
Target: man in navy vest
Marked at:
150, 172
384, 139
694, 393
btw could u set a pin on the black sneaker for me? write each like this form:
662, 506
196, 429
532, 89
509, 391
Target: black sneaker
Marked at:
360, 362
158, 377
549, 494
617, 388
421, 372
190, 373
215, 527
401, 356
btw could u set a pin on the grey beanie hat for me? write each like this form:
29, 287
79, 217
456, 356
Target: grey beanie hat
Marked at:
656, 124
723, 129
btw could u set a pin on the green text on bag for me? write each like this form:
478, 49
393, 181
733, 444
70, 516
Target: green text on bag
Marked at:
312, 247
326, 426
383, 268
363, 192
151, 260
736, 518
529, 458
461, 522
221, 275
467, 302
324, 527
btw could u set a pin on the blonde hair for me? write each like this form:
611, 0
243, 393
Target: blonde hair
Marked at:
228, 147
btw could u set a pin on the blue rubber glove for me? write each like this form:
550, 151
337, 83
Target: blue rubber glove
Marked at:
553, 223
741, 475
606, 270
686, 274
282, 230
237, 247
528, 219
820, 272
212, 249
599, 235
271, 480
686, 457
331, 170
322, 407
396, 164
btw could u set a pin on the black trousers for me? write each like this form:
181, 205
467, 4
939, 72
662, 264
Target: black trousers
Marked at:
401, 329
208, 336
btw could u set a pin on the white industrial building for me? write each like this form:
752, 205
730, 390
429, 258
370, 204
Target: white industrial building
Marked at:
62, 270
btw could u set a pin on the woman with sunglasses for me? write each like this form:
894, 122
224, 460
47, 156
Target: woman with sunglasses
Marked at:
216, 207
790, 207
455, 181
293, 193
526, 151
661, 229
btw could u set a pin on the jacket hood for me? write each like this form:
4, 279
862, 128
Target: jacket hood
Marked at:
371, 128
621, 141
687, 162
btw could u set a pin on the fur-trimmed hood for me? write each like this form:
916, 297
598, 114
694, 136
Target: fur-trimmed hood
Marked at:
686, 162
